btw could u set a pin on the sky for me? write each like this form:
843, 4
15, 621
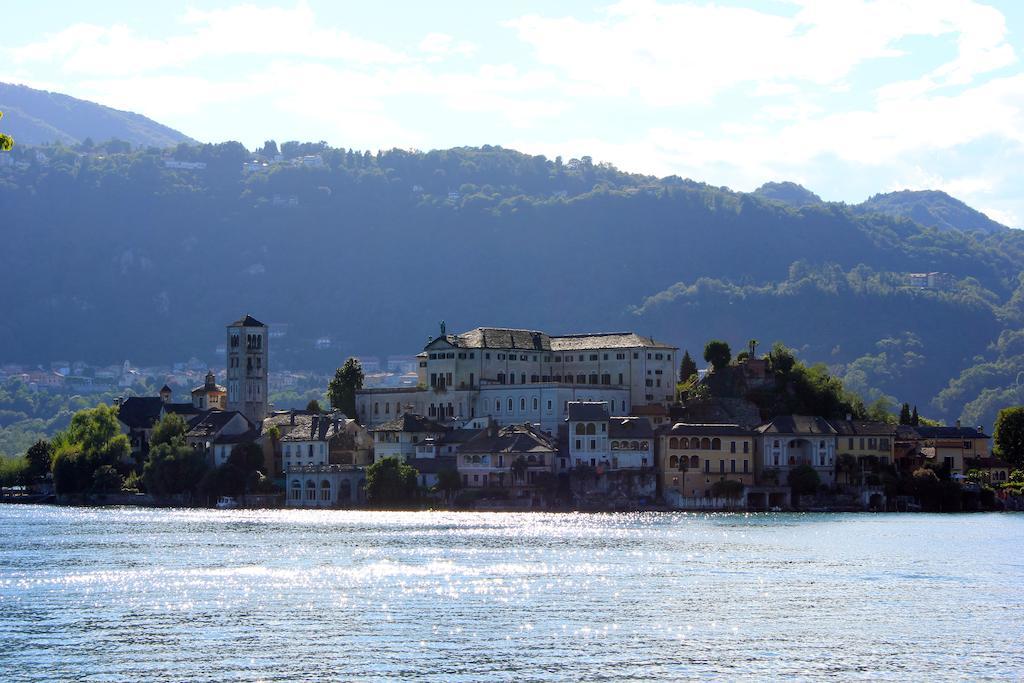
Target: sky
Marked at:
847, 97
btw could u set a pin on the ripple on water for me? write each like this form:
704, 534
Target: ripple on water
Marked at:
134, 594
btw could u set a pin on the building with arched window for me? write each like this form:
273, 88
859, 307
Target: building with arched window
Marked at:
693, 456
789, 441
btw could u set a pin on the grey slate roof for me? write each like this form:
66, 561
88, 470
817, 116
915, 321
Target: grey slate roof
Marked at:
798, 424
630, 428
707, 429
433, 465
310, 428
862, 428
247, 321
950, 432
606, 340
140, 412
511, 439
409, 422
212, 422
587, 411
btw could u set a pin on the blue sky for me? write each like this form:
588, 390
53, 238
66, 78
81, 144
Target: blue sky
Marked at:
844, 96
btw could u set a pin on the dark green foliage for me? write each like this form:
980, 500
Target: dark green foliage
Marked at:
915, 419
905, 416
342, 390
106, 479
448, 482
6, 141
170, 428
390, 482
14, 472
93, 440
313, 406
1008, 435
687, 368
247, 457
718, 353
803, 479
39, 458
932, 209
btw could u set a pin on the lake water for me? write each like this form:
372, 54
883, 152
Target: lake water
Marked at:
135, 594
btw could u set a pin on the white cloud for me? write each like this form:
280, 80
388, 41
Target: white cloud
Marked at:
682, 54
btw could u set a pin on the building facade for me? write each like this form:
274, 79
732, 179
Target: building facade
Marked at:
248, 352
789, 441
692, 457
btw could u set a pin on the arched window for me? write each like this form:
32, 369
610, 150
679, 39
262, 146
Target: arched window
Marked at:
615, 445
296, 489
673, 442
535, 403
643, 445
581, 379
684, 442
531, 460
497, 405
716, 444
674, 462
522, 405
510, 405
581, 428
325, 490
591, 429
694, 462
310, 490
476, 459
634, 445
705, 444
501, 378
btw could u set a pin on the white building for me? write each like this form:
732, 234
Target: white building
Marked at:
789, 441
248, 352
399, 438
608, 443
517, 376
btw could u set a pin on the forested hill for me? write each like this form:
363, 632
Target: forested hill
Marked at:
129, 255
35, 117
933, 209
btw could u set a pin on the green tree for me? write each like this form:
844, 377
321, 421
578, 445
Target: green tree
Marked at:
687, 368
173, 467
782, 359
1009, 435
39, 457
92, 440
313, 407
519, 467
915, 419
390, 482
803, 479
905, 416
342, 390
847, 465
14, 472
880, 410
718, 353
448, 482
171, 427
6, 141
247, 457
106, 480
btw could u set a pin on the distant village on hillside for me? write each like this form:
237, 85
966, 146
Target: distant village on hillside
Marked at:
497, 418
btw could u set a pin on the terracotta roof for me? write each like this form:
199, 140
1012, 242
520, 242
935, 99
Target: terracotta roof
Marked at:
798, 424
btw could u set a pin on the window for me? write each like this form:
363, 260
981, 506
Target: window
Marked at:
510, 405
716, 444
746, 446
536, 403
605, 356
721, 467
522, 404
707, 466
549, 405
746, 466
593, 356
732, 465
593, 444
636, 355
591, 429
579, 444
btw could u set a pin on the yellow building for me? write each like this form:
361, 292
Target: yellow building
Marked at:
210, 396
865, 442
692, 457
951, 447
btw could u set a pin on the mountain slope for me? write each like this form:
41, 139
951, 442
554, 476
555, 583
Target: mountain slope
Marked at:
119, 256
932, 209
788, 193
35, 117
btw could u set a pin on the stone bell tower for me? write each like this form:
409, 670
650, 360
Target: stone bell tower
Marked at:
247, 355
